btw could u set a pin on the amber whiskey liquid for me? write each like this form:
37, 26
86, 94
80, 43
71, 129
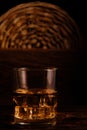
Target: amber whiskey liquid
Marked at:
34, 105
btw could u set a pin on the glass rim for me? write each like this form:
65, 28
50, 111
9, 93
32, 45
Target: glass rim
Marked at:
35, 69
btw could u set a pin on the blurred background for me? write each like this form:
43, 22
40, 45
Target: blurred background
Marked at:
75, 88
76, 9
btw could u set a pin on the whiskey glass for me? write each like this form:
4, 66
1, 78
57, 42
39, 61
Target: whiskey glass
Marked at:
35, 96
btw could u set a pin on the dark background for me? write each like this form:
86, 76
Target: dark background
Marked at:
77, 10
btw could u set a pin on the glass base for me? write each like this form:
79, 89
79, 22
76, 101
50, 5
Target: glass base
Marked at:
36, 123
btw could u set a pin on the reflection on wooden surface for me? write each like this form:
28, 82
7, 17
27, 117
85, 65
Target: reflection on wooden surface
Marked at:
73, 119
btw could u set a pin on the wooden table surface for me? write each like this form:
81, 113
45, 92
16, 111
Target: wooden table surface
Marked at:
70, 78
73, 119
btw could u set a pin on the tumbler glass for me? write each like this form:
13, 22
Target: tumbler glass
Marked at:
35, 96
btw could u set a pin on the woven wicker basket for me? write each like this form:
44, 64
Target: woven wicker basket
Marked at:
38, 25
